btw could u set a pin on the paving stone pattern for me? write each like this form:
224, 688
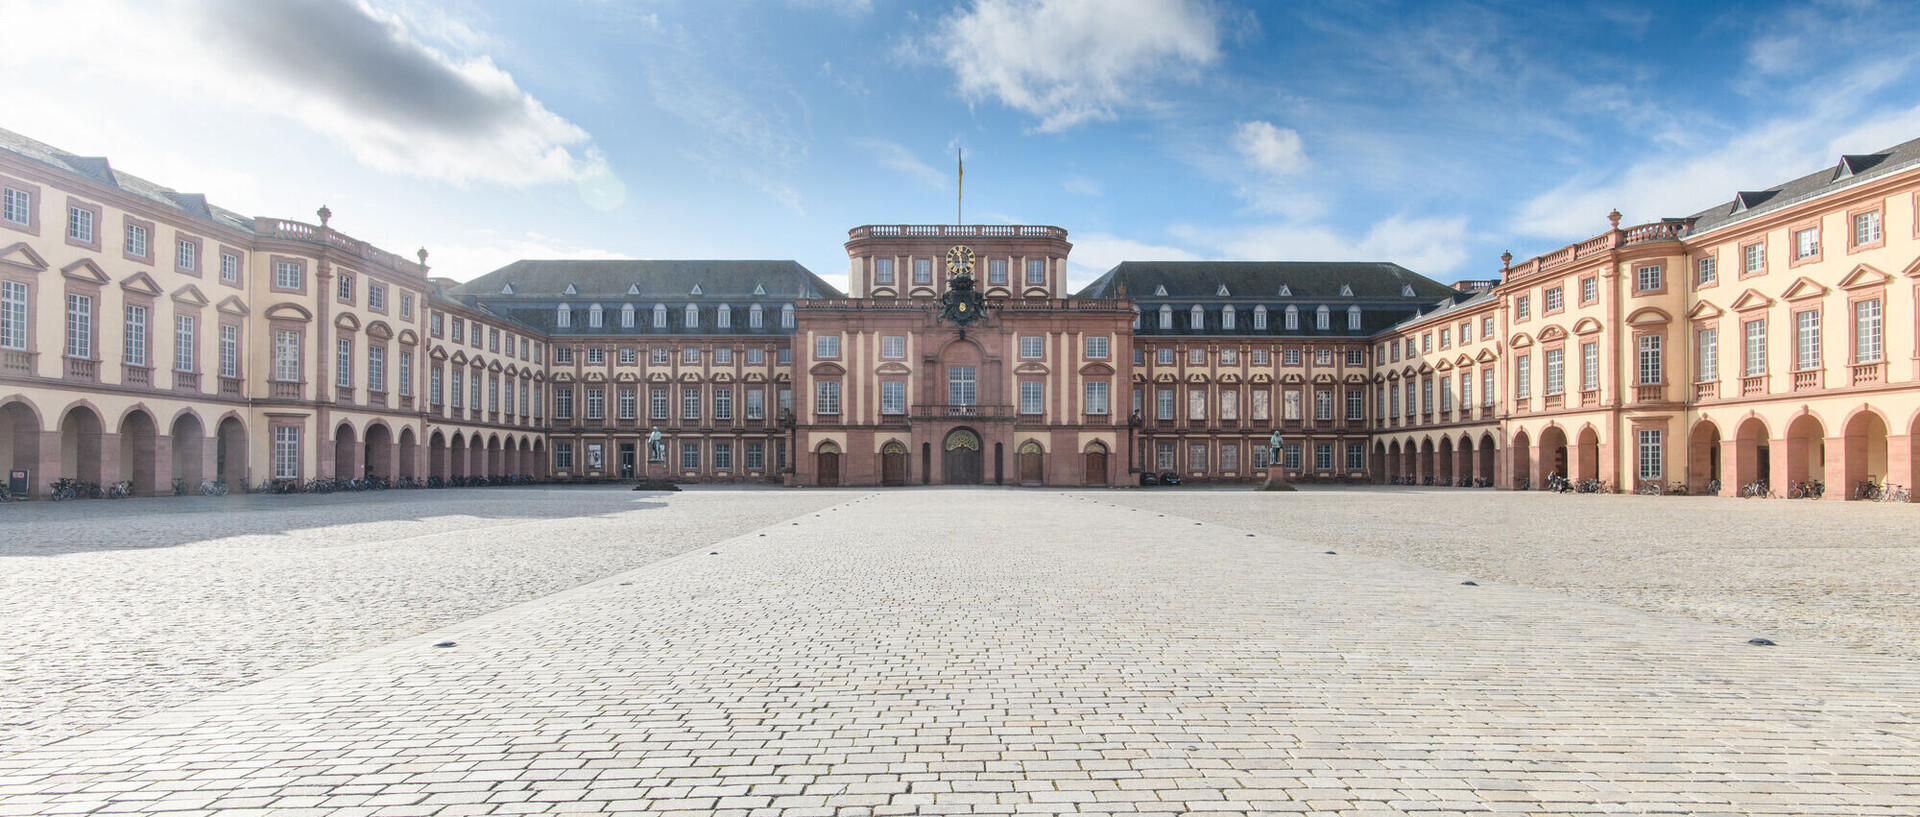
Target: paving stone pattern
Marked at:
1794, 571
112, 610
1002, 652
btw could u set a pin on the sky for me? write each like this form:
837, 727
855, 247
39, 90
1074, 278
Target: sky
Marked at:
1432, 134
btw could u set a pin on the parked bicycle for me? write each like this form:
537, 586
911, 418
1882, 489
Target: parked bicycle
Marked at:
1806, 489
214, 487
1894, 493
180, 486
1757, 489
1649, 487
1590, 486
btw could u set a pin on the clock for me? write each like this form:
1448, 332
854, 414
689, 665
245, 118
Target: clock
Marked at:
960, 261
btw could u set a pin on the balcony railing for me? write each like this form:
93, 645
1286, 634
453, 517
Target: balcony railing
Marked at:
1652, 393
1868, 373
137, 376
955, 231
1706, 391
186, 381
1555, 401
943, 412
17, 361
82, 369
1806, 381
1753, 384
231, 387
1590, 397
343, 395
289, 390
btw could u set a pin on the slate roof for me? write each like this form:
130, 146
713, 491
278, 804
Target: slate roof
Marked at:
611, 281
1462, 301
1308, 281
98, 169
1858, 167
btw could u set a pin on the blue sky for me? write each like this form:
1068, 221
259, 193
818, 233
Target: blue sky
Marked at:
1434, 135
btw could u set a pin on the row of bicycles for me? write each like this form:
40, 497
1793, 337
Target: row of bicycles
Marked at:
1871, 491
379, 483
1561, 485
1440, 482
207, 487
66, 488
1796, 489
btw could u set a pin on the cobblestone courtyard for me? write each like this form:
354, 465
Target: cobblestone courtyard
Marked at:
945, 651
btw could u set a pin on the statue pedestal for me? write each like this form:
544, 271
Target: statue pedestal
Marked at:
1276, 479
656, 470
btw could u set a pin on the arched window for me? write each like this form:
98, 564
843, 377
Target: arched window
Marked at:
659, 316
1260, 318
1136, 316
1353, 319
755, 319
626, 316
593, 316
1293, 318
723, 317
563, 317
693, 316
1322, 318
1196, 318
1166, 317
1226, 315
786, 316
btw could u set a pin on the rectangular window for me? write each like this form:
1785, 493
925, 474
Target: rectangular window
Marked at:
136, 346
376, 297
286, 452
229, 350
79, 224
1590, 366
1486, 327
376, 368
17, 207
563, 355
1323, 457
657, 403
1291, 357
1163, 404
1096, 347
1866, 228
691, 356
1290, 404
1229, 357
1706, 271
1290, 456
458, 394
690, 456
893, 397
1262, 357
136, 241
1426, 395
186, 254
997, 272
1229, 404
1163, 356
628, 404
1652, 462
1754, 257
1486, 387
1262, 404
1647, 278
1229, 457
474, 382
563, 456
406, 378
1446, 393
1030, 396
757, 402
433, 385
1522, 307
658, 357
1756, 347
1866, 331
756, 357
595, 356
826, 346
722, 456
459, 331
1036, 272
1466, 332
1806, 243
229, 268
961, 382
883, 271
1196, 456
756, 456
183, 343
562, 399
343, 364
892, 347
628, 356
1196, 404
1356, 357
79, 326
1523, 377
1446, 338
1356, 457
596, 403
1556, 371
345, 287
1196, 357
1554, 300
1707, 355
1323, 404
406, 311
1030, 347
1356, 404
1163, 456
1589, 292
1652, 372
1466, 391
826, 397
689, 403
1413, 402
923, 270
1806, 340
722, 404
1097, 397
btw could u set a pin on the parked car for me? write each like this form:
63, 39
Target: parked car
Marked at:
1169, 478
1148, 478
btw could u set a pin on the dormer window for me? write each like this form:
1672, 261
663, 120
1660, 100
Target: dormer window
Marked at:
1222, 292
759, 290
1406, 290
659, 316
1196, 318
1160, 290
1260, 318
508, 289
786, 316
1227, 316
696, 290
1136, 316
1166, 317
1286, 291
1293, 319
570, 290
562, 317
723, 317
1346, 291
626, 316
693, 314
1321, 318
1353, 319
593, 316
755, 319
633, 289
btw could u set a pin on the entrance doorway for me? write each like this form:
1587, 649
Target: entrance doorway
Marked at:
962, 457
826, 464
627, 459
1032, 463
1096, 464
893, 464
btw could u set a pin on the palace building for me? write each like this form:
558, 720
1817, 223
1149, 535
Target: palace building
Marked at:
149, 335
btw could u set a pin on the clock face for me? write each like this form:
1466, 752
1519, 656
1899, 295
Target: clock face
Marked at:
960, 261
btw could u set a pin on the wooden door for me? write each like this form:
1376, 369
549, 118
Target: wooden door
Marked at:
1032, 463
1097, 466
962, 458
828, 466
893, 465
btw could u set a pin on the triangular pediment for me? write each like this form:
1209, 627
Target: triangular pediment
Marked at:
232, 305
1463, 361
459, 358
1751, 299
1802, 289
1395, 376
1426, 368
1487, 355
1704, 310
189, 295
141, 283
1864, 277
495, 366
22, 256
85, 271
1444, 365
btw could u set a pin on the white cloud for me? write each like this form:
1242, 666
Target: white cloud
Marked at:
1074, 61
1095, 253
353, 74
475, 253
896, 157
1082, 186
1272, 150
1434, 247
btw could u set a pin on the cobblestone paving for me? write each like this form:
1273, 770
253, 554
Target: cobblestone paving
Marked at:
117, 609
1795, 571
930, 651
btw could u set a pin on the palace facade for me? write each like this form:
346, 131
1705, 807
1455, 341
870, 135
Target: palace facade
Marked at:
148, 335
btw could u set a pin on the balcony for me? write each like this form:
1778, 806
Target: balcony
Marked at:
962, 412
83, 369
232, 387
186, 381
1709, 390
1867, 374
1522, 405
406, 402
1590, 397
1752, 385
136, 376
1555, 401
343, 395
1650, 393
15, 361
376, 399
289, 390
1806, 381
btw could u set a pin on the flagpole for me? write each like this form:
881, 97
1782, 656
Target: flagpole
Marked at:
960, 189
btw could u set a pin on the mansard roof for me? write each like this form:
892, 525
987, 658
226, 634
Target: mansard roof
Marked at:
1260, 281
1847, 171
99, 170
609, 281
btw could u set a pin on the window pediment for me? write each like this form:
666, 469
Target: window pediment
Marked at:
288, 312
1031, 367
626, 377
141, 283
1522, 341
437, 354
1096, 370
1648, 316
347, 321
232, 305
827, 370
1487, 356
380, 329
1552, 333
459, 358
21, 256
85, 271
189, 295
1704, 310
1261, 379
1864, 277
1803, 289
1750, 300
893, 367
1586, 326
